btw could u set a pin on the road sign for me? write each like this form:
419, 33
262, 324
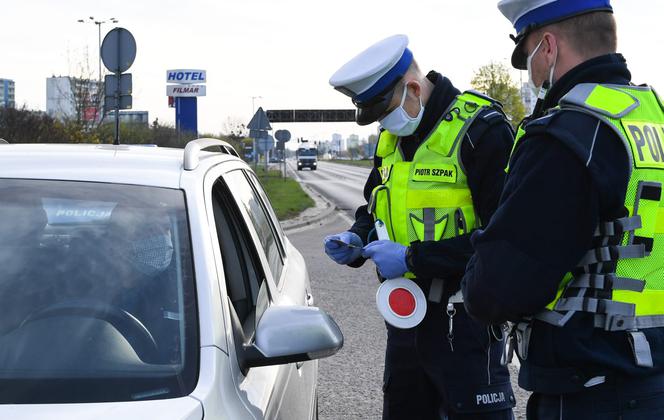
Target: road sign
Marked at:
118, 50
311, 115
111, 102
186, 76
265, 144
282, 135
122, 86
185, 90
125, 85
258, 134
259, 121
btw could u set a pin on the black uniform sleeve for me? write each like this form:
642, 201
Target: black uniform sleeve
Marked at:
484, 154
363, 219
546, 218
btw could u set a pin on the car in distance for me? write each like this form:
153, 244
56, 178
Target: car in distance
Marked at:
307, 156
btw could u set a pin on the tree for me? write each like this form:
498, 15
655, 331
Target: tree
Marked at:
234, 128
494, 79
78, 98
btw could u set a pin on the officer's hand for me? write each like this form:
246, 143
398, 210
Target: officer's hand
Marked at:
343, 248
389, 257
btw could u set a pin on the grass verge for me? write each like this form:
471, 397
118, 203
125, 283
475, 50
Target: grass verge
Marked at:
287, 197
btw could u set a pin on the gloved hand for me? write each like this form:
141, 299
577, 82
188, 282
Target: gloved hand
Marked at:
346, 252
389, 257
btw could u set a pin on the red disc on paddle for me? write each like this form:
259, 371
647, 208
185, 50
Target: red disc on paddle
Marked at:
402, 302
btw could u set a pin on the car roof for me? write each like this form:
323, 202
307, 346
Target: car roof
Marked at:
123, 164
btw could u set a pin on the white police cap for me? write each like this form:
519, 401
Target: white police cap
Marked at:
528, 15
370, 77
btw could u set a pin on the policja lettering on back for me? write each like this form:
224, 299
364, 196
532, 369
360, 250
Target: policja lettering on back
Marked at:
425, 187
646, 144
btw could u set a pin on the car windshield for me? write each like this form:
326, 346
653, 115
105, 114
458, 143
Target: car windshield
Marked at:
97, 295
307, 152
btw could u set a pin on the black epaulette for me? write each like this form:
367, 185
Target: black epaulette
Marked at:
485, 97
541, 121
494, 113
575, 129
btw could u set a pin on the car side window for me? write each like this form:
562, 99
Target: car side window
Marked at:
245, 281
247, 197
270, 211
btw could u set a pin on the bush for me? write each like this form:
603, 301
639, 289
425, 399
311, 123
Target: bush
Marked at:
25, 126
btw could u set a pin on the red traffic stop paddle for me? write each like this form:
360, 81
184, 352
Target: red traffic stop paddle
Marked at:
401, 302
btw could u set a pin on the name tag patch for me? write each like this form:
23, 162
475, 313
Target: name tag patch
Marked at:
435, 173
646, 141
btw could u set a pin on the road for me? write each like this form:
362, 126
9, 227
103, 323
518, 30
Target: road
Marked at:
350, 383
341, 184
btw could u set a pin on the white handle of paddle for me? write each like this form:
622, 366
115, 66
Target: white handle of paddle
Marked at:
381, 231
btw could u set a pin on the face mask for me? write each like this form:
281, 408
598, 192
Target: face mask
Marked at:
537, 90
151, 255
398, 122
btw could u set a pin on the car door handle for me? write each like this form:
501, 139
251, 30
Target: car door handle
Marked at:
308, 299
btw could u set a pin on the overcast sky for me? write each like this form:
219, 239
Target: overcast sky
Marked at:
282, 50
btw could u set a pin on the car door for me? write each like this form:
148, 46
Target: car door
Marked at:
294, 288
251, 258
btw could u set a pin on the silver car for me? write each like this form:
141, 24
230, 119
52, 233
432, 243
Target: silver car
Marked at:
142, 283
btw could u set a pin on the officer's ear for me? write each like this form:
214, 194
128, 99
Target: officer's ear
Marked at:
414, 89
550, 45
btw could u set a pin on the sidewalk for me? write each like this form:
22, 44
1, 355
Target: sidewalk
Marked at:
322, 209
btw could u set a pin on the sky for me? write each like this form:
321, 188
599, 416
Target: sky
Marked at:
281, 52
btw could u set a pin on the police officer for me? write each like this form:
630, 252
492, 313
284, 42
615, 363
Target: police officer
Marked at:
438, 173
574, 253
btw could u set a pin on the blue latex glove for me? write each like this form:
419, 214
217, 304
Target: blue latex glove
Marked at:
343, 248
389, 257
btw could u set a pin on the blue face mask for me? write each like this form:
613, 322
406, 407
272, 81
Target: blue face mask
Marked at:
398, 122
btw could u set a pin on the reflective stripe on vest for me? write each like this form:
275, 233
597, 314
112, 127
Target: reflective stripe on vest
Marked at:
428, 199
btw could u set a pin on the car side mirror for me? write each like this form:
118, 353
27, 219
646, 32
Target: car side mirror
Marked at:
288, 334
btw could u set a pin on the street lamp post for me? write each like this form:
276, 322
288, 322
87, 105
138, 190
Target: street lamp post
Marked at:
98, 23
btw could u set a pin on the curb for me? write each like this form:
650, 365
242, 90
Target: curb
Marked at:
322, 209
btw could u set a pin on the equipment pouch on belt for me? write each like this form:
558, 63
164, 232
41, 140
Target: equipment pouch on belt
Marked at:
521, 333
